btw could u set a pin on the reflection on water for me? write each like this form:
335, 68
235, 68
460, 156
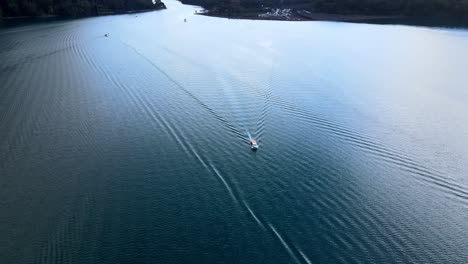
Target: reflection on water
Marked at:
447, 22
134, 148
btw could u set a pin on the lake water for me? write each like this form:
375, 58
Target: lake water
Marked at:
133, 148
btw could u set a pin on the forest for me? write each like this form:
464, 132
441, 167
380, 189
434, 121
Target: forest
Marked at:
427, 8
32, 8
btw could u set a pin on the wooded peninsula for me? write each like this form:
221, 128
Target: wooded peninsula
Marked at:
74, 8
454, 9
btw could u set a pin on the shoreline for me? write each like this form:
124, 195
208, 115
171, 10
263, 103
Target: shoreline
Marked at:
45, 17
300, 15
343, 18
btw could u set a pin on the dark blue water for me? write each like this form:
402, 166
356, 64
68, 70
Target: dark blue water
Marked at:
133, 148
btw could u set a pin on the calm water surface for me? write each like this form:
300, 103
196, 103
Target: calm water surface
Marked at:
133, 148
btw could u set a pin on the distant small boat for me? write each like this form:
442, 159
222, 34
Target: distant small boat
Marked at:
106, 35
253, 144
185, 20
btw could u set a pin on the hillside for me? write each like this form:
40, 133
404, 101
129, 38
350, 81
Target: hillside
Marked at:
18, 8
411, 8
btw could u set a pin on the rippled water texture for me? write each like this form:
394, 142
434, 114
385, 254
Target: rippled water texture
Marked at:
133, 148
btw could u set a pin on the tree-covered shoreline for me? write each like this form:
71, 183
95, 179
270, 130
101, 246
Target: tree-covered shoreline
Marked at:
73, 8
457, 9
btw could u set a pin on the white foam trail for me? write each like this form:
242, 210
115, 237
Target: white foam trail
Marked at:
306, 259
285, 245
224, 182
254, 216
248, 134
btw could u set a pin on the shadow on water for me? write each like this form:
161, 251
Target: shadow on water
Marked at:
442, 22
30, 21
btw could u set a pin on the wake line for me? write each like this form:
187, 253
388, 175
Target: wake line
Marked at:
368, 145
35, 28
225, 183
266, 95
306, 259
285, 245
30, 59
216, 115
253, 215
21, 96
248, 134
177, 135
174, 132
288, 248
319, 121
260, 223
179, 139
178, 85
208, 165
145, 106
